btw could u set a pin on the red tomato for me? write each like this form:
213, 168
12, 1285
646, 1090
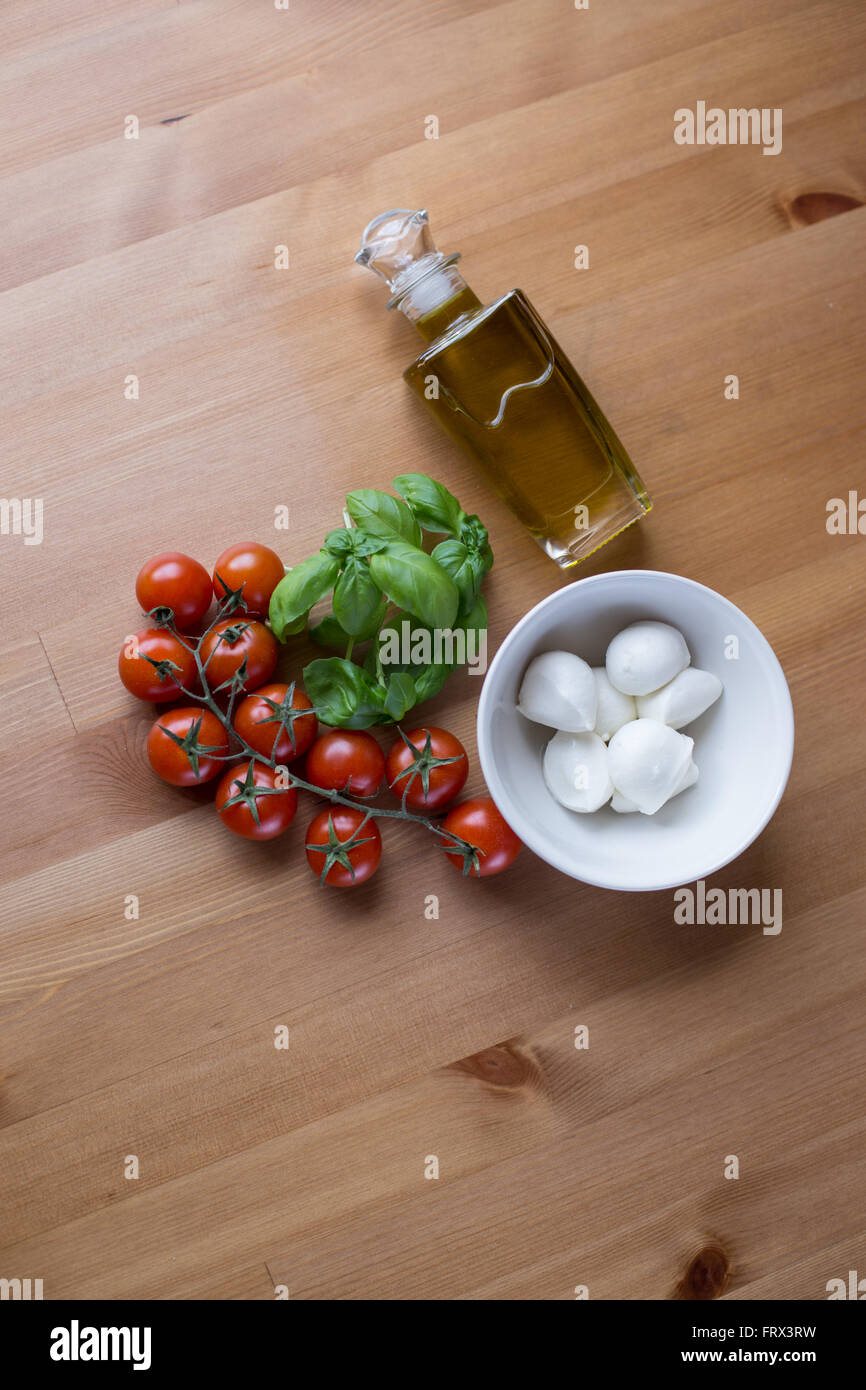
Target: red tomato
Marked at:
138, 673
175, 581
346, 759
192, 763
275, 807
277, 733
328, 832
255, 568
222, 656
409, 768
480, 823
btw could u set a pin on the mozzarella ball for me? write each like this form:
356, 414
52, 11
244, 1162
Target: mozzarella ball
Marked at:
575, 770
558, 690
683, 699
647, 761
645, 656
614, 708
624, 807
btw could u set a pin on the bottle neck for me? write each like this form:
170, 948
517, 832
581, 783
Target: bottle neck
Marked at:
437, 320
434, 301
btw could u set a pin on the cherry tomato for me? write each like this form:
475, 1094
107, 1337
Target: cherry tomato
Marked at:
187, 766
328, 832
259, 724
175, 581
224, 656
275, 808
255, 568
407, 768
346, 759
479, 822
139, 675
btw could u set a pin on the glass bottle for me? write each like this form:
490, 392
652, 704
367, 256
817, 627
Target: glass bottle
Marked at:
499, 384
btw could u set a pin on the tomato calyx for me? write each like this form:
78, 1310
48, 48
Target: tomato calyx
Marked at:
232, 635
283, 714
190, 745
231, 599
336, 851
470, 855
422, 764
165, 668
234, 683
250, 791
163, 616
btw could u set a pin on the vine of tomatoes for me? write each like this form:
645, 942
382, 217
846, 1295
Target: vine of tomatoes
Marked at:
238, 724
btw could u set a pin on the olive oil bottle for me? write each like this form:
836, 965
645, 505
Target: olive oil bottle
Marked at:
503, 389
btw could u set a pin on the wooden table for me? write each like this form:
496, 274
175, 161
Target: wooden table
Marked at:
153, 1035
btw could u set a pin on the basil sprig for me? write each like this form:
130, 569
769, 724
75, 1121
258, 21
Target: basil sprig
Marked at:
372, 567
298, 590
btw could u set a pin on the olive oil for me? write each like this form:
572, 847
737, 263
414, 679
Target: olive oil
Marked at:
502, 388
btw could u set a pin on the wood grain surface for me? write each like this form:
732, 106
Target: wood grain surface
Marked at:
154, 257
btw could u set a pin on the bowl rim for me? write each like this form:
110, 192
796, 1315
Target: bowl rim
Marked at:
505, 802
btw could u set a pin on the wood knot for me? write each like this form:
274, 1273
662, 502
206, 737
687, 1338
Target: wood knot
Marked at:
706, 1275
809, 208
503, 1066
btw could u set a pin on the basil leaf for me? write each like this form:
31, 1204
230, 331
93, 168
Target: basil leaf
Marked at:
476, 617
400, 695
339, 543
473, 534
366, 545
328, 633
379, 514
369, 662
430, 680
357, 600
296, 593
417, 583
435, 507
374, 623
342, 694
465, 567
344, 542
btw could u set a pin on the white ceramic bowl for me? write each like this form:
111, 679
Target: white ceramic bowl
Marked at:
743, 744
